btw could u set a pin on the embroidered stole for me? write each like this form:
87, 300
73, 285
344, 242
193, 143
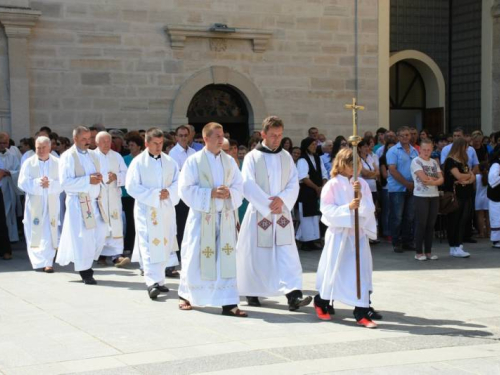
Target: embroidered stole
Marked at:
158, 221
265, 225
111, 198
36, 204
227, 232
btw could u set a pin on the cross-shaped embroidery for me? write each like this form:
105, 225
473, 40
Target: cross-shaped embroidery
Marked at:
283, 221
87, 202
156, 242
264, 224
227, 249
208, 252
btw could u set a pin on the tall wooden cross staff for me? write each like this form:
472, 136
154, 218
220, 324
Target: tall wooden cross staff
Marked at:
354, 140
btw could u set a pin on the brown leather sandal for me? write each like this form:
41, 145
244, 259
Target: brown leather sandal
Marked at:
236, 312
185, 305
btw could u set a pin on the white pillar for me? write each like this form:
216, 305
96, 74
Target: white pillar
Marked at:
494, 76
384, 21
18, 24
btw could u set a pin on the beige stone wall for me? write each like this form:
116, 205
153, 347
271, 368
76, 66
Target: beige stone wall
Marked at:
111, 61
4, 82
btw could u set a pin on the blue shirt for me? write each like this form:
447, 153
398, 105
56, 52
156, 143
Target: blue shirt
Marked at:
325, 158
196, 146
402, 160
471, 153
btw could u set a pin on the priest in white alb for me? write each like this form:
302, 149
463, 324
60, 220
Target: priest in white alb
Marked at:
39, 179
210, 184
267, 256
9, 171
114, 172
152, 182
85, 223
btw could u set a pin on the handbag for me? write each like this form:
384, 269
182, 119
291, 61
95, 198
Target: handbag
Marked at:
448, 202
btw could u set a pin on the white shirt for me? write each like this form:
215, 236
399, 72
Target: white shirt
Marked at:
180, 155
369, 164
303, 168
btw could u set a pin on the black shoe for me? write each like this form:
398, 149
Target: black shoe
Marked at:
372, 314
374, 242
409, 247
331, 310
295, 303
172, 273
469, 240
311, 246
154, 291
163, 288
89, 281
398, 249
253, 301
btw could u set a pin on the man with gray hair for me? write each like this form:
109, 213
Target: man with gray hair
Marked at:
39, 179
9, 171
114, 171
85, 223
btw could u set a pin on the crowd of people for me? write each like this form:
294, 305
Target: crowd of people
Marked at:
216, 207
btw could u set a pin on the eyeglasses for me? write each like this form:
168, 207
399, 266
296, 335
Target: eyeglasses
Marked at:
182, 136
343, 144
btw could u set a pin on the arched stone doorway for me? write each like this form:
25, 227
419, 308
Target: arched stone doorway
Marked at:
417, 92
222, 104
220, 76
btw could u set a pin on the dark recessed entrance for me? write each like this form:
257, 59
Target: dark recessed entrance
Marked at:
222, 104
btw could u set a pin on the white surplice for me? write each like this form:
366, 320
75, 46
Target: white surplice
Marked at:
308, 229
494, 207
266, 272
43, 255
10, 162
146, 193
336, 277
114, 243
192, 287
78, 244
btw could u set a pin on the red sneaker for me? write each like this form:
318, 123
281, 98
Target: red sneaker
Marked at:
322, 315
367, 323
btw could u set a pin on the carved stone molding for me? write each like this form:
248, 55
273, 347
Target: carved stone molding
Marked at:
178, 35
18, 21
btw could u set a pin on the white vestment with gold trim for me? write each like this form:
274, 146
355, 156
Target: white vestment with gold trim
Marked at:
198, 289
155, 227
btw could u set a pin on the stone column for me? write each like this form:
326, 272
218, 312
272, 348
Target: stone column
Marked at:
495, 121
18, 23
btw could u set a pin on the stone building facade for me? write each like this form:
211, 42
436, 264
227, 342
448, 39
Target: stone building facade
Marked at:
137, 64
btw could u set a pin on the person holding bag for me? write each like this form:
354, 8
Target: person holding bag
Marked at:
427, 177
459, 179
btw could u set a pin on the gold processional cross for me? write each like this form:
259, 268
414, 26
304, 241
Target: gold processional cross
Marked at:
354, 140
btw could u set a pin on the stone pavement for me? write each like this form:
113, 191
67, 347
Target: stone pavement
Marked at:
440, 317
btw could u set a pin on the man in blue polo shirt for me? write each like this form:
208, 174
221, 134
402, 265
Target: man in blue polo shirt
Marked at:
400, 186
